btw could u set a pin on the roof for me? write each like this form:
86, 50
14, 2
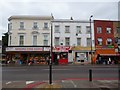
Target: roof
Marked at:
72, 21
30, 17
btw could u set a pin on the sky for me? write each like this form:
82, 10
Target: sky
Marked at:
61, 9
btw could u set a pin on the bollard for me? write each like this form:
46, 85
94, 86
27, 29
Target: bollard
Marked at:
90, 75
119, 75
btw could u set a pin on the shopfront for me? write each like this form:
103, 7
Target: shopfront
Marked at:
60, 54
82, 54
107, 56
39, 55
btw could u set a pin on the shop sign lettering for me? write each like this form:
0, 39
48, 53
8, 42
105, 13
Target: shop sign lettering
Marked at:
24, 49
61, 49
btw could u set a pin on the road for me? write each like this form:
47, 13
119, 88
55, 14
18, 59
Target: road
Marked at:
60, 72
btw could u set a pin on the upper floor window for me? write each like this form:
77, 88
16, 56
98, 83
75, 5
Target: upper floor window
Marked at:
67, 29
57, 28
67, 41
118, 29
99, 41
45, 41
88, 41
99, 29
10, 26
109, 41
88, 29
21, 25
45, 25
57, 40
78, 41
35, 25
78, 28
34, 39
108, 30
21, 40
10, 39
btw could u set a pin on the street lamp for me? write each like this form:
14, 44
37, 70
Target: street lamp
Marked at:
91, 36
50, 63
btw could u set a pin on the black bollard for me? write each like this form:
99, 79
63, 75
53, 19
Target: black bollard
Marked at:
90, 75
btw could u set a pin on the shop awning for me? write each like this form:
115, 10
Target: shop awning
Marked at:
79, 48
107, 52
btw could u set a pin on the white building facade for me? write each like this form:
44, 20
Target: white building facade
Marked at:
29, 36
71, 40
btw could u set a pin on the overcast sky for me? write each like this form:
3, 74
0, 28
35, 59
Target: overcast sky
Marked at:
61, 9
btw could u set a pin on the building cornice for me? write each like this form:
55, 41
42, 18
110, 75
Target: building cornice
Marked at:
25, 17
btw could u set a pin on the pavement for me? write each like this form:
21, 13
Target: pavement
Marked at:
64, 84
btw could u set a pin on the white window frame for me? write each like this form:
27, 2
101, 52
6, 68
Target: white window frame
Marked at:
23, 39
22, 27
45, 25
89, 41
88, 30
109, 40
99, 29
33, 41
67, 43
57, 42
99, 41
46, 39
10, 26
57, 29
78, 41
108, 30
35, 25
78, 30
10, 38
67, 29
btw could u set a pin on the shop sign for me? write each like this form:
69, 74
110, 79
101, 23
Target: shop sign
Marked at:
61, 49
24, 49
47, 48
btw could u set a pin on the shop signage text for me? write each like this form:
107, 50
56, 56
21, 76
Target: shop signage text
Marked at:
27, 48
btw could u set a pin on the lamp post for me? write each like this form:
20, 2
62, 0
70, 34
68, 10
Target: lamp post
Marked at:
50, 63
91, 36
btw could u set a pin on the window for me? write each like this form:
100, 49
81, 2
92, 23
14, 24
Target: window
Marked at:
67, 41
99, 41
109, 41
88, 29
45, 25
118, 29
21, 25
57, 41
21, 40
35, 25
10, 26
57, 28
118, 41
108, 30
78, 41
88, 41
78, 28
67, 29
99, 29
35, 40
45, 39
10, 40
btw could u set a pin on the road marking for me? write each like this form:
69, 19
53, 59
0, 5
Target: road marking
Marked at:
73, 84
29, 82
57, 69
9, 82
16, 70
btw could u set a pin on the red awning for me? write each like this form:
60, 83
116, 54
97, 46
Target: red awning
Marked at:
107, 52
